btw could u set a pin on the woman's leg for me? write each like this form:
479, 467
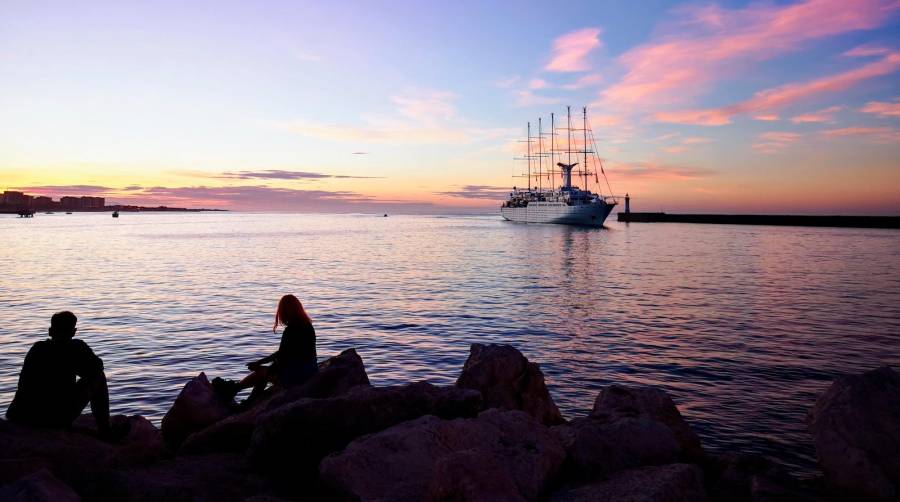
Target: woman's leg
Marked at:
260, 376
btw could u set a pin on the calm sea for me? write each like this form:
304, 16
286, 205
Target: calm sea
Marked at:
743, 325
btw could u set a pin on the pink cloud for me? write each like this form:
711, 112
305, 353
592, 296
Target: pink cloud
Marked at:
775, 141
426, 105
882, 108
866, 51
826, 115
782, 96
876, 134
657, 171
570, 51
527, 97
711, 43
537, 83
589, 80
766, 117
712, 117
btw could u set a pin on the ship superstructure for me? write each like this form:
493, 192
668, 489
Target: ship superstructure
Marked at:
566, 203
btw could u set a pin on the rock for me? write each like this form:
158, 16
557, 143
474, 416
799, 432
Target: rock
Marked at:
667, 483
471, 476
78, 457
856, 428
41, 486
62, 450
195, 408
619, 401
230, 435
731, 475
507, 380
629, 427
597, 447
220, 477
778, 489
137, 440
505, 453
336, 376
11, 469
301, 433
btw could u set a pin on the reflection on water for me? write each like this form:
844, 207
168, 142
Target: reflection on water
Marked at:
743, 325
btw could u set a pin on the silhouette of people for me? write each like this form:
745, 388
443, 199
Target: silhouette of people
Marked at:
292, 364
59, 377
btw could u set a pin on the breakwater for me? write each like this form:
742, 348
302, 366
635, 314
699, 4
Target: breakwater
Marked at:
496, 434
765, 219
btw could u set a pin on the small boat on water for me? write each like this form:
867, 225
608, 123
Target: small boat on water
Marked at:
25, 213
68, 212
115, 214
566, 204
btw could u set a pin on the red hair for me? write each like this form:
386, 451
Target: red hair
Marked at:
289, 310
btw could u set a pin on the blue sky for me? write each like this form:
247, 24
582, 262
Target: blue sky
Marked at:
712, 106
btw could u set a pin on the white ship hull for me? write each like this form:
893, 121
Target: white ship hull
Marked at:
557, 212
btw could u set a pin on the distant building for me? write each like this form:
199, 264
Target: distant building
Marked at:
11, 198
70, 202
42, 203
92, 202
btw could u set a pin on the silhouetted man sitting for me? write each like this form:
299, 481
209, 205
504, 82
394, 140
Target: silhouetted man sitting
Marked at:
50, 392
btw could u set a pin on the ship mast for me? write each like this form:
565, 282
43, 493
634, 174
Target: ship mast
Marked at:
528, 156
540, 156
552, 147
569, 134
584, 168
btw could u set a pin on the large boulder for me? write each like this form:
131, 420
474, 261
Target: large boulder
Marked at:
301, 433
666, 483
500, 455
40, 486
78, 457
856, 428
782, 489
336, 376
137, 441
219, 477
620, 401
730, 476
629, 427
598, 448
507, 380
195, 408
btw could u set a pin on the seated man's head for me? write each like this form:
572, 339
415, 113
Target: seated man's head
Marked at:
62, 325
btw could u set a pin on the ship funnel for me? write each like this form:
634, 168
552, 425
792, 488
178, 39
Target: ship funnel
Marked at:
567, 173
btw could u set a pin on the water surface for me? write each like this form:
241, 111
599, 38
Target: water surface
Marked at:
743, 325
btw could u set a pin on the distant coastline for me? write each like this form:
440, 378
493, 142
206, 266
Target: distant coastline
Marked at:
13, 202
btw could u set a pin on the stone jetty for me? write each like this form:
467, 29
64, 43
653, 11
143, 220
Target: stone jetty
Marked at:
494, 436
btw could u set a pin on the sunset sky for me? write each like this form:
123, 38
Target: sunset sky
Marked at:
766, 107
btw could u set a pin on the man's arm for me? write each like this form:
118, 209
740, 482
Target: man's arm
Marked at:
87, 364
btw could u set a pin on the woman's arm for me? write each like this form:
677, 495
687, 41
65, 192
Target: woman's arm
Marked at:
256, 364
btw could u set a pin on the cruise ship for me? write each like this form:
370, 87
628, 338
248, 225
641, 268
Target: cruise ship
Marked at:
567, 203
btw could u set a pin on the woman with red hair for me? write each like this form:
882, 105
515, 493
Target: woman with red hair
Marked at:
292, 364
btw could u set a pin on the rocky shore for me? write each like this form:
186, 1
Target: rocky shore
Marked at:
494, 436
